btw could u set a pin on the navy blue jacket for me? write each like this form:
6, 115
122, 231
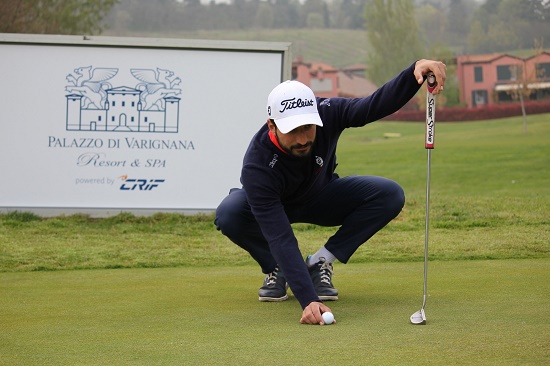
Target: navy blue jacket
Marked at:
273, 179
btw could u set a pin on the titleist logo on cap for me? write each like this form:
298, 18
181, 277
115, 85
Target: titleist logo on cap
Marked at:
295, 103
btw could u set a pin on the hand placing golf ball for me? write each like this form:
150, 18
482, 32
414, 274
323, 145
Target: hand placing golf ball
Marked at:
328, 318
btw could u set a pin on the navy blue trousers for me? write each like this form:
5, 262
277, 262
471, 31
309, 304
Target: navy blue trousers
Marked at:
359, 205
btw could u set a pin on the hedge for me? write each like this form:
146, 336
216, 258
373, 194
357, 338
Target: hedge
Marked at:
448, 114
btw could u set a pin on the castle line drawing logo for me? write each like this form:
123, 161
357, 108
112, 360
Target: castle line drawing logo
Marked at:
93, 104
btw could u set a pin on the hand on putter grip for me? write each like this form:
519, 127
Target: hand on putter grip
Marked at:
312, 314
438, 68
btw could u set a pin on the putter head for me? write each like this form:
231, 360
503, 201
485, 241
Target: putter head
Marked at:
419, 318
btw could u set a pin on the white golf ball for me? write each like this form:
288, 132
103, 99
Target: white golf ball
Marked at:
328, 318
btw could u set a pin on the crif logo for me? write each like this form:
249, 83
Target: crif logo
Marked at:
139, 184
96, 103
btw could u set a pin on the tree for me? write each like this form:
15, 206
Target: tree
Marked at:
313, 14
54, 16
432, 23
526, 77
285, 14
264, 16
393, 34
476, 37
457, 17
314, 20
509, 24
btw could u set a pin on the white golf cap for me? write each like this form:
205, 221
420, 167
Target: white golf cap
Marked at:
292, 104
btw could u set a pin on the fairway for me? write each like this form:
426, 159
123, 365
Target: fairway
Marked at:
479, 313
169, 289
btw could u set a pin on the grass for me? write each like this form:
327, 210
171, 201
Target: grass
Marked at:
169, 289
490, 199
479, 313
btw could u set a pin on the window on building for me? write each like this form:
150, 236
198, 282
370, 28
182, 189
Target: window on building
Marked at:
504, 96
123, 104
99, 118
508, 72
321, 85
112, 118
146, 119
543, 70
478, 74
113, 104
479, 97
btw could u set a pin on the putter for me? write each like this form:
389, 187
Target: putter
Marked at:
419, 318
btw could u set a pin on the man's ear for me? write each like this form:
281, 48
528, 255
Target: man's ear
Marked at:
271, 125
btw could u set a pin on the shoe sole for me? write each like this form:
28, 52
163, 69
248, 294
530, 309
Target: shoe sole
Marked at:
272, 299
328, 298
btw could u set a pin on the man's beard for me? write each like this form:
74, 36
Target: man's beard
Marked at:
293, 149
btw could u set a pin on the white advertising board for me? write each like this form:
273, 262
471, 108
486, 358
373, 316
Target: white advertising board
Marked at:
104, 125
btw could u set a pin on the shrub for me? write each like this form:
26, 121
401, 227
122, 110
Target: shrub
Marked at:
494, 111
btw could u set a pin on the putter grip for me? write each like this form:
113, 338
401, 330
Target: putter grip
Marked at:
430, 112
431, 82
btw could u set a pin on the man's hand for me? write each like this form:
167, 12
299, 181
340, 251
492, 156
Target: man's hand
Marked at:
312, 313
439, 69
